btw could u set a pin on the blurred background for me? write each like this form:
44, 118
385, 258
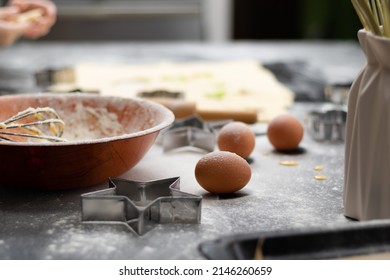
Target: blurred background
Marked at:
204, 20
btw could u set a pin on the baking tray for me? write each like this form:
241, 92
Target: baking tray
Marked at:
356, 240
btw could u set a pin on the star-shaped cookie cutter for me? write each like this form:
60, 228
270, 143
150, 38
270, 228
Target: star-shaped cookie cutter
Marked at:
191, 132
141, 205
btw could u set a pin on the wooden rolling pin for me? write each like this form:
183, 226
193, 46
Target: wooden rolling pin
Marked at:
247, 116
182, 108
179, 107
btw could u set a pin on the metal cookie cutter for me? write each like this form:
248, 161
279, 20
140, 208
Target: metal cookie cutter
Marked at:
337, 93
191, 132
328, 125
142, 205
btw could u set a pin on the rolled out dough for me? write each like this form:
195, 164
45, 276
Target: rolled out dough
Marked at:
228, 85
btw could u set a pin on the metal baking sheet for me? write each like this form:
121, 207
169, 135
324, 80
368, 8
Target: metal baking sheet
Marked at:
360, 240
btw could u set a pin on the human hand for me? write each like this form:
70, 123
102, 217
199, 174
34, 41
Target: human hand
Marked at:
41, 26
10, 31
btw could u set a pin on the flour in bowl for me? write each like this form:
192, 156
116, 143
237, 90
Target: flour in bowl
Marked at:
90, 123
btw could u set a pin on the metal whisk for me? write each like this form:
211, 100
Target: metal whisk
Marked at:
33, 124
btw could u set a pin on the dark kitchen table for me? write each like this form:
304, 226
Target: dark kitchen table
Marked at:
47, 225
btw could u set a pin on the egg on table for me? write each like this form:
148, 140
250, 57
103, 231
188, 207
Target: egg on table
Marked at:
285, 132
222, 172
236, 137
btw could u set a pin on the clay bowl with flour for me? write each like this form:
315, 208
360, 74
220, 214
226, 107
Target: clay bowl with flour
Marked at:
104, 136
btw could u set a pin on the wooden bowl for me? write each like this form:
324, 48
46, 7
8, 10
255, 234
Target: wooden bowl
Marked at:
80, 162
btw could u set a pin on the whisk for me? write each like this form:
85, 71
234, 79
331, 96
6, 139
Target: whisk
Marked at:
33, 124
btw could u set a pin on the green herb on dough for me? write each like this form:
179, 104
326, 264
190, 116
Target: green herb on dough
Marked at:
218, 94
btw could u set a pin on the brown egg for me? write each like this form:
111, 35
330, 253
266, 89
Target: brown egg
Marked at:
285, 132
222, 172
236, 137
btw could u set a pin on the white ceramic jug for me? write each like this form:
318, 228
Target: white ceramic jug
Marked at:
367, 146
